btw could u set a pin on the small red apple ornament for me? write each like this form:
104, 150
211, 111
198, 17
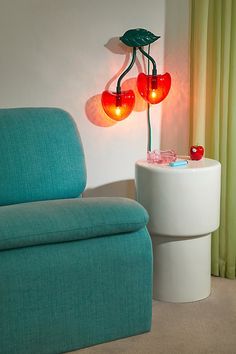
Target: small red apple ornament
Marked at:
196, 152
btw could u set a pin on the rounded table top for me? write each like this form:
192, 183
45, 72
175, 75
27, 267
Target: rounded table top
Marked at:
192, 166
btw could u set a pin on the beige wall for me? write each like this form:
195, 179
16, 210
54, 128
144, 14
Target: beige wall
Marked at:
64, 52
175, 109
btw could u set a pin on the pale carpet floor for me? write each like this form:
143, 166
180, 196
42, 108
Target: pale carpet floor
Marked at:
203, 327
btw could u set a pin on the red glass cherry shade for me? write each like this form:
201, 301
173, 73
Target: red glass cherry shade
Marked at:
154, 88
118, 105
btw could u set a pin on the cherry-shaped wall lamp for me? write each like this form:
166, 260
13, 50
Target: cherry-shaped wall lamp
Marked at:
153, 88
118, 105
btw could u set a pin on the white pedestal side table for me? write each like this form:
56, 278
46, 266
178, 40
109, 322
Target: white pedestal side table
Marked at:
184, 208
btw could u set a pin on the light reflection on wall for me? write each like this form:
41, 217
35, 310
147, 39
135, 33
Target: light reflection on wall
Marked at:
175, 112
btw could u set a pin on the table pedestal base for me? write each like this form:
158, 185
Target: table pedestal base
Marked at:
182, 269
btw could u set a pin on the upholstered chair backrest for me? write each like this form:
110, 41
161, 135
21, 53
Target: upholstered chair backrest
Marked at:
41, 156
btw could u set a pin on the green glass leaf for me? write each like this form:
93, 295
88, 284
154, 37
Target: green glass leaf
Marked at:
138, 37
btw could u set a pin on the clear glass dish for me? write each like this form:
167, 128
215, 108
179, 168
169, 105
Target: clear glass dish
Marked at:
161, 156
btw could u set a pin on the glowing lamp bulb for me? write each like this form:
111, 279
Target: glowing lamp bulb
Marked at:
153, 94
118, 111
154, 88
118, 106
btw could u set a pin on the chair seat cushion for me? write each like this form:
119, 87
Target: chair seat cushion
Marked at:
62, 220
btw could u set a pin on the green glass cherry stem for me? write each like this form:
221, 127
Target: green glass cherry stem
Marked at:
154, 70
118, 87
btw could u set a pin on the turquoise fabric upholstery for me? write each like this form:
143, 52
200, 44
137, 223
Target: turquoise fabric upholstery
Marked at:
59, 297
41, 156
74, 272
43, 222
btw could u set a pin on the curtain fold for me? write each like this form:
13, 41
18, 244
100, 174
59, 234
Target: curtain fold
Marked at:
213, 112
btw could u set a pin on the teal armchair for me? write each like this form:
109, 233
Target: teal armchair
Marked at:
74, 272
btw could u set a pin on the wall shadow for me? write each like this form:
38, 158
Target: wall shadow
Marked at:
95, 113
125, 188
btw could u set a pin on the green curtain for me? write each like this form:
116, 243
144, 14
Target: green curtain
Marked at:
213, 112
